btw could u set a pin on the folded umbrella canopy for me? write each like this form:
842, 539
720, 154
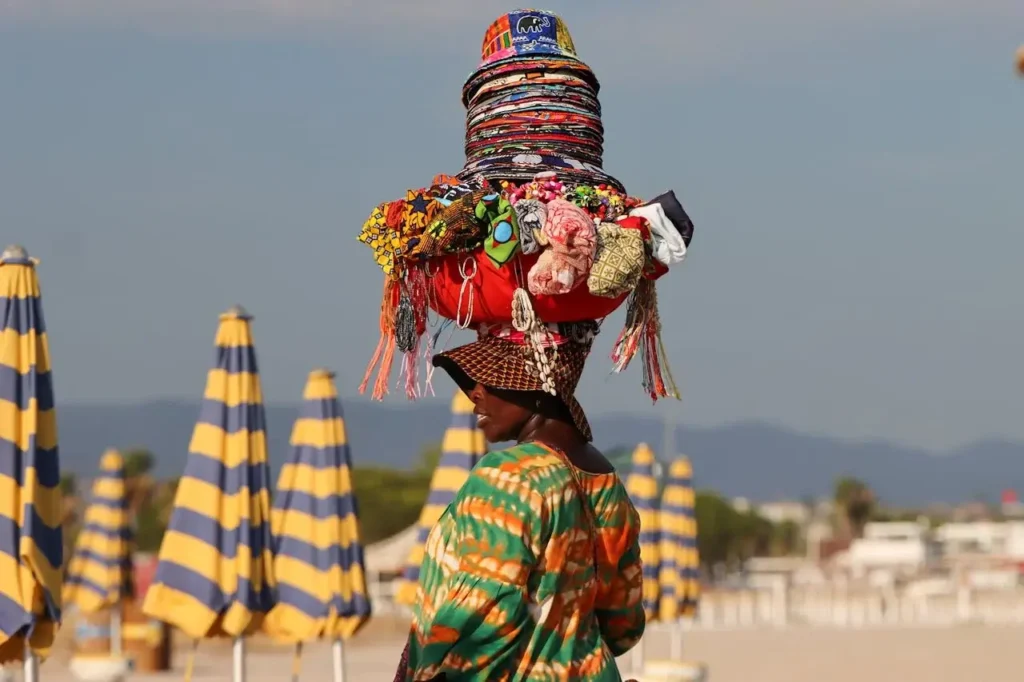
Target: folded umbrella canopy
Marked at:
318, 561
99, 575
680, 561
642, 486
462, 448
215, 574
31, 506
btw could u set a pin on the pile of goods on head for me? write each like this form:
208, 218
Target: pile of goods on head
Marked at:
532, 233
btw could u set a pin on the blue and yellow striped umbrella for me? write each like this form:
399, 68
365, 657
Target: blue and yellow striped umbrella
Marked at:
680, 560
99, 575
462, 448
642, 487
215, 573
318, 564
31, 505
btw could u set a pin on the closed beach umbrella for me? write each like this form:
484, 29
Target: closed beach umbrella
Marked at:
462, 448
680, 560
99, 574
318, 564
642, 486
215, 574
31, 505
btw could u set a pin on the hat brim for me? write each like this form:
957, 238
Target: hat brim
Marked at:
524, 167
511, 65
490, 364
539, 53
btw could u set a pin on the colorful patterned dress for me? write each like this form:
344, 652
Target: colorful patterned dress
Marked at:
508, 587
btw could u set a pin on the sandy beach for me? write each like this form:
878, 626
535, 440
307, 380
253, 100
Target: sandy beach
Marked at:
798, 654
959, 654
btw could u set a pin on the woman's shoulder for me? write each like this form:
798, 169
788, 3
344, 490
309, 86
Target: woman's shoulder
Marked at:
525, 459
518, 479
529, 465
541, 468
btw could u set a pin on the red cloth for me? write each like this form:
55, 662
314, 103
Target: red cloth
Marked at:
491, 292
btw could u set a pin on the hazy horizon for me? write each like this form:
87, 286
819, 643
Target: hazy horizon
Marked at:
442, 400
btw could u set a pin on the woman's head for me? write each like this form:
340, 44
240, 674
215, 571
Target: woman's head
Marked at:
499, 377
506, 415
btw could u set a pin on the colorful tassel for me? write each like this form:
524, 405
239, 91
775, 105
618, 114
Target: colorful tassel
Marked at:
641, 333
408, 342
385, 351
428, 356
410, 373
410, 325
405, 324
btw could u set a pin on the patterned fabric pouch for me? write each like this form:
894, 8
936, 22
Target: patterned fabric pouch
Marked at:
619, 261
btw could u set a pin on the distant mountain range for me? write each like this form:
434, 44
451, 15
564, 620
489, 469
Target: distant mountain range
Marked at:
753, 460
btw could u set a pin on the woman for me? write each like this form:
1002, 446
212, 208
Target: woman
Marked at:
533, 572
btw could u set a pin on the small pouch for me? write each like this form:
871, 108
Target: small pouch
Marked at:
619, 261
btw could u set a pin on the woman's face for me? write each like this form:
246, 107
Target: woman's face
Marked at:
499, 419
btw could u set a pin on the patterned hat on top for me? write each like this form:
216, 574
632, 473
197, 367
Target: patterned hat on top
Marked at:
526, 33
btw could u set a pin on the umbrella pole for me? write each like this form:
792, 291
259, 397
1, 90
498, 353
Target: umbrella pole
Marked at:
191, 665
297, 662
637, 662
338, 655
677, 641
239, 660
115, 631
31, 668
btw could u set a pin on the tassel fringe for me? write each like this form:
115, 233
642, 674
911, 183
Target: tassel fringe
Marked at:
416, 300
385, 351
403, 321
641, 334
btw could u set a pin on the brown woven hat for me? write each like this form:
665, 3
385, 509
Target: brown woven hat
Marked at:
502, 364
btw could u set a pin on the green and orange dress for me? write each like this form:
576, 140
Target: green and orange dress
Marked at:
512, 586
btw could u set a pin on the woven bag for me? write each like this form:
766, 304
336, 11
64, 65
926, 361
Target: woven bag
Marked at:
619, 261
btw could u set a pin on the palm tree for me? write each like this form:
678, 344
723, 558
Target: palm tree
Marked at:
163, 499
154, 516
787, 539
70, 511
139, 482
855, 503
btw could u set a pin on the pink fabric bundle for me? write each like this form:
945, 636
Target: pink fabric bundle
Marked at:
569, 238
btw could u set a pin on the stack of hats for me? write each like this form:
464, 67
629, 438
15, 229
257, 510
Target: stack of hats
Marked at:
532, 233
532, 105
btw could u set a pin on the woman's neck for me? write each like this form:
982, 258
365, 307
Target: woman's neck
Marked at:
553, 432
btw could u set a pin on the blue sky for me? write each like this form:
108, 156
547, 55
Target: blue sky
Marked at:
854, 173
